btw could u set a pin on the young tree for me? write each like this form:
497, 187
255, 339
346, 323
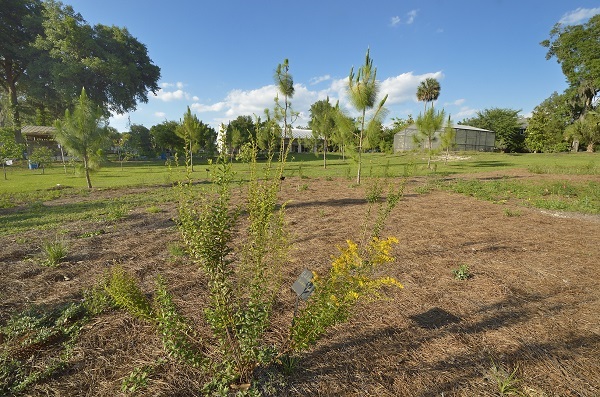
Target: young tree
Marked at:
9, 148
362, 91
322, 123
345, 131
42, 156
268, 132
448, 139
427, 125
285, 85
83, 133
189, 130
197, 136
428, 91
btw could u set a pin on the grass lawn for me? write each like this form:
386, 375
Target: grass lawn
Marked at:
305, 165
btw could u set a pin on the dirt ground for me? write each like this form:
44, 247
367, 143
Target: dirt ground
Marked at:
532, 305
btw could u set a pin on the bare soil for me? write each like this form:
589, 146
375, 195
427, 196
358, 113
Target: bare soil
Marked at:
532, 305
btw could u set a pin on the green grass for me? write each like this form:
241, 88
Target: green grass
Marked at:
39, 216
27, 191
581, 197
307, 165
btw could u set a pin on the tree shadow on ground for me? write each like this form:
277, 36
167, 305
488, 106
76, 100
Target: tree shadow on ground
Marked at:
391, 353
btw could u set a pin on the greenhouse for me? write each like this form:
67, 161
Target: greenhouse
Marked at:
467, 139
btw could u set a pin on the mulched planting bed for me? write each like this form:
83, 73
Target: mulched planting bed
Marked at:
532, 305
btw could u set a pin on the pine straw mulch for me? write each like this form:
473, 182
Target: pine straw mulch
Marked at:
532, 305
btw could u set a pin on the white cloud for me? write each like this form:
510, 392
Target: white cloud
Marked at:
463, 113
320, 79
160, 115
401, 89
168, 96
457, 102
578, 15
411, 16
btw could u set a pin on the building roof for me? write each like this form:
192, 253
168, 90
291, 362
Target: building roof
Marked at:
298, 133
37, 129
413, 127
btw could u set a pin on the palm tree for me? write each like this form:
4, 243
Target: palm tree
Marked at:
428, 91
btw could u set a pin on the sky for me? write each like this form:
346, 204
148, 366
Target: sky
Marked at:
219, 57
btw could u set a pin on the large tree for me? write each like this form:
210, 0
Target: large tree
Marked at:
586, 130
504, 122
322, 123
363, 89
140, 140
20, 24
240, 131
83, 133
165, 136
546, 128
48, 53
428, 91
577, 49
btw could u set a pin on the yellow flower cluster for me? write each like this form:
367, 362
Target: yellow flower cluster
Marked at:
351, 271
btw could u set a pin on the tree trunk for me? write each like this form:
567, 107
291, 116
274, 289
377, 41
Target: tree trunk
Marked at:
360, 144
4, 169
11, 84
87, 171
324, 153
590, 147
191, 156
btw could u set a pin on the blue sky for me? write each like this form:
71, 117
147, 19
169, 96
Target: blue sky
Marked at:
218, 57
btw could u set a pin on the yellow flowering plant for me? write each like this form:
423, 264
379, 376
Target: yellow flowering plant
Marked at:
349, 279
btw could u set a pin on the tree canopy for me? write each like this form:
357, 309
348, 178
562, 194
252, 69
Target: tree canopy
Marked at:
50, 53
546, 129
428, 91
504, 122
577, 49
165, 136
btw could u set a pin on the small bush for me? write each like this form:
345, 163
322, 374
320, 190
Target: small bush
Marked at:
54, 252
462, 273
510, 213
126, 294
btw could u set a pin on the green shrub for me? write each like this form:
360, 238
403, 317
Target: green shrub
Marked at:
54, 252
126, 294
462, 273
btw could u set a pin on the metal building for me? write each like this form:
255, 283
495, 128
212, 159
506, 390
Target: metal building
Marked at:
467, 139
